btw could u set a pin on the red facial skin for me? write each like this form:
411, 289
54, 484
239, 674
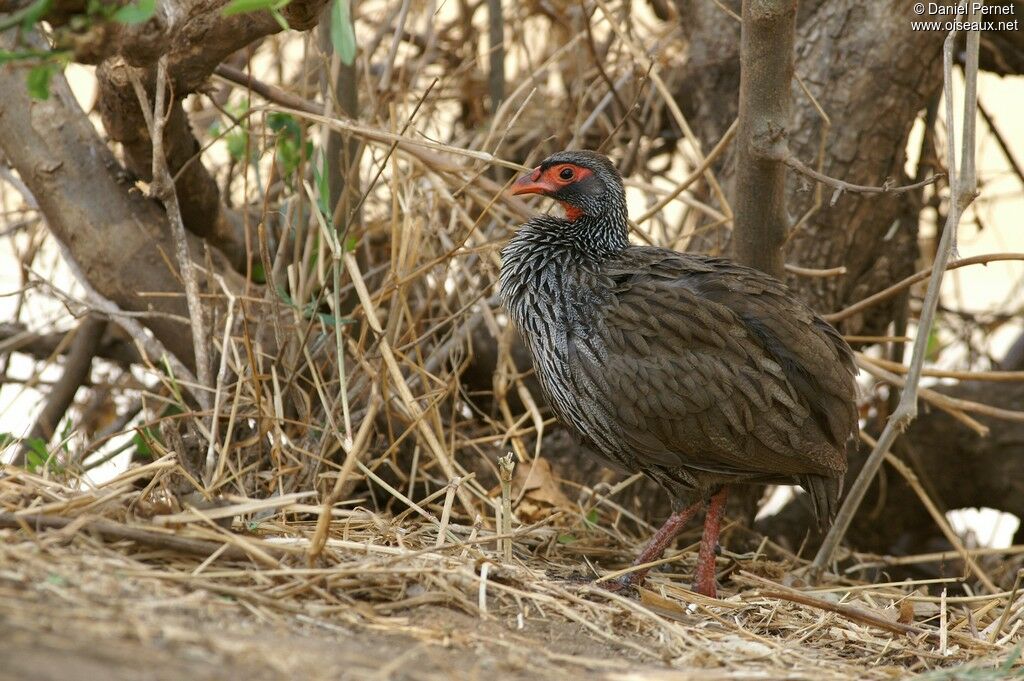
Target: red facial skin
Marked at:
549, 181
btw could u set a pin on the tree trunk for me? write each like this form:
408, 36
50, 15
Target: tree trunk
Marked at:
872, 75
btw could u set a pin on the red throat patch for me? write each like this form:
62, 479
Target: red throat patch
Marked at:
572, 213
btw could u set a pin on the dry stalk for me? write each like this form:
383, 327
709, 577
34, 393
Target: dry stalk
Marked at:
963, 187
164, 189
506, 465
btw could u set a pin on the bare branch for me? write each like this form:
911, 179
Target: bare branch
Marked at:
77, 367
893, 290
88, 204
761, 223
842, 186
963, 188
163, 188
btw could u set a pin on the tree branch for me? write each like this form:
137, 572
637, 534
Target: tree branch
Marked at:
77, 367
163, 188
199, 40
761, 223
841, 186
15, 337
963, 187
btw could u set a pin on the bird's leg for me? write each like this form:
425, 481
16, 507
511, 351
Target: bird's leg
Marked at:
659, 542
704, 583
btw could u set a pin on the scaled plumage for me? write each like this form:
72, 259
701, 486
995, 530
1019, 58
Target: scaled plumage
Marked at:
696, 371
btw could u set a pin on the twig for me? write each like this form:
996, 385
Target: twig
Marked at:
506, 465
963, 192
899, 286
77, 367
116, 532
352, 455
843, 186
775, 590
1002, 143
697, 173
819, 274
496, 49
164, 189
446, 510
995, 376
998, 629
939, 518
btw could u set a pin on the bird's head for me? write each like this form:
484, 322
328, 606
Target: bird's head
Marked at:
584, 182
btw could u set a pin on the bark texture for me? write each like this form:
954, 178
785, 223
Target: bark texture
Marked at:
759, 193
196, 41
116, 236
872, 75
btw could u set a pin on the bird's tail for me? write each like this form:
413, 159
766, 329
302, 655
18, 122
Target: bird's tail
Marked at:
824, 493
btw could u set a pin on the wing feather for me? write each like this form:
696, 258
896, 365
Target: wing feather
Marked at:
723, 374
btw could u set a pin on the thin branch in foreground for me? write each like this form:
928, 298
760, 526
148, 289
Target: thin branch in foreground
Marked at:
163, 188
896, 288
843, 186
774, 590
77, 368
963, 192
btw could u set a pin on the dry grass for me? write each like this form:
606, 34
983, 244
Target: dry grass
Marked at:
384, 574
348, 472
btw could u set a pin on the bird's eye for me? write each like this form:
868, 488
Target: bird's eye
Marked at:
566, 173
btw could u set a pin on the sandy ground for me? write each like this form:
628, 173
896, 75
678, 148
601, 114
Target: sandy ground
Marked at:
199, 636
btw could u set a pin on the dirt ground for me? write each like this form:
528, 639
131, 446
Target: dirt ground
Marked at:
76, 619
77, 610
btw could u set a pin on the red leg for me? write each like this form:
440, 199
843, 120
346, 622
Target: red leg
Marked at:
705, 578
659, 542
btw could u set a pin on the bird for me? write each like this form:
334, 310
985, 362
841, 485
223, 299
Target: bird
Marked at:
696, 371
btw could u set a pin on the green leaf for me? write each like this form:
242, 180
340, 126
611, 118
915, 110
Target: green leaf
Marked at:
284, 123
591, 517
34, 13
7, 56
323, 190
38, 81
141, 441
279, 18
6, 439
37, 458
934, 346
135, 13
290, 147
285, 296
566, 538
343, 37
259, 274
65, 435
243, 6
331, 320
238, 142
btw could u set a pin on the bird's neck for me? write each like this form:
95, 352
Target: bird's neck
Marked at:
597, 236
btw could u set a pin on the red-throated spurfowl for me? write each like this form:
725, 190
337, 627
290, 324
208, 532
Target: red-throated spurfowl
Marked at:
695, 371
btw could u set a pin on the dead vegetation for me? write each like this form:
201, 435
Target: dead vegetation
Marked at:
412, 581
333, 473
